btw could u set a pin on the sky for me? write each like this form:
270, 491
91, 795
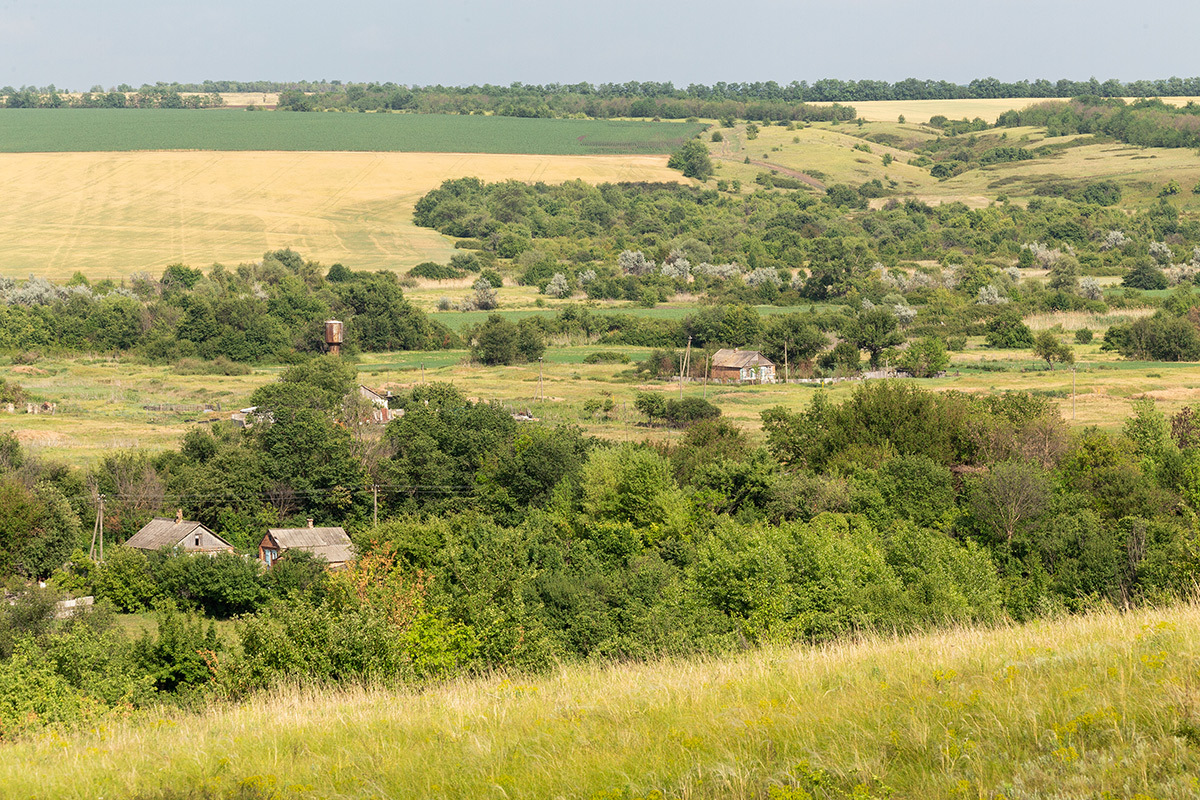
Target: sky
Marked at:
75, 44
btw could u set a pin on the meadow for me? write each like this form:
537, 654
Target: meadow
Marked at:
102, 402
115, 130
112, 214
1055, 709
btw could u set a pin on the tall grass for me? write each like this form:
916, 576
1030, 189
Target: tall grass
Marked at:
1074, 320
1070, 708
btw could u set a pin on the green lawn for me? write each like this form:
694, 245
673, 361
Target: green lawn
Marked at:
104, 130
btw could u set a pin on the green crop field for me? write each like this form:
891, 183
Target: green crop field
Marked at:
110, 130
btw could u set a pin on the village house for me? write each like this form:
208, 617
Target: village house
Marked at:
330, 544
380, 414
179, 533
742, 366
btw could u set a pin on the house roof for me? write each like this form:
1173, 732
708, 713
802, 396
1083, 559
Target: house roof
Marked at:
740, 358
332, 544
162, 532
373, 395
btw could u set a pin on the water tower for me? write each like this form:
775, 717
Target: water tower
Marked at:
333, 336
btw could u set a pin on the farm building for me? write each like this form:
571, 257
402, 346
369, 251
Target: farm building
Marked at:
380, 414
182, 533
742, 366
331, 544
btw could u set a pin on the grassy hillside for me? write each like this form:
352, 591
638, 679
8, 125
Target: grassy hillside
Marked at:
92, 130
1106, 705
834, 154
112, 214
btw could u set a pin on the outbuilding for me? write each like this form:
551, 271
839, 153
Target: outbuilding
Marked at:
179, 533
330, 544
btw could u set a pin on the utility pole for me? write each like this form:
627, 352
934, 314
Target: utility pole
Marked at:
687, 357
541, 387
95, 531
99, 528
706, 376
1072, 393
422, 372
787, 375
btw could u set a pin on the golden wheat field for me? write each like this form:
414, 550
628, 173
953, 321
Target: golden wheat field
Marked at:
112, 214
985, 108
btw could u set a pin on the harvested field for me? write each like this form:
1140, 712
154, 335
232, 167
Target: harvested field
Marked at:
112, 214
988, 109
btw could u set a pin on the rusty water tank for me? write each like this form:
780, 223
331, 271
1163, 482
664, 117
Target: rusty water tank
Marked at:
333, 336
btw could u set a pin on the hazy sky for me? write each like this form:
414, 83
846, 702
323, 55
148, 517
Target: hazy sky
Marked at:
75, 44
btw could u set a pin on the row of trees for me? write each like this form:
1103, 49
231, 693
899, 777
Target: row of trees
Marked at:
268, 310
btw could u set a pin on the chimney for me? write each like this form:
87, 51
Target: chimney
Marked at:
178, 516
310, 522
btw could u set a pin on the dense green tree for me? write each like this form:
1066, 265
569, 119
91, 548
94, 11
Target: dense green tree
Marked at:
1144, 274
874, 330
1049, 348
693, 160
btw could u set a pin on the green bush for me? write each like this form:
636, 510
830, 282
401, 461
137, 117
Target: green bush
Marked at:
606, 357
436, 272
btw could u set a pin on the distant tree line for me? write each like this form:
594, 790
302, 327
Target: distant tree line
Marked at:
748, 100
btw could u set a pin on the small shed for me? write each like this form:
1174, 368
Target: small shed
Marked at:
331, 544
742, 366
180, 533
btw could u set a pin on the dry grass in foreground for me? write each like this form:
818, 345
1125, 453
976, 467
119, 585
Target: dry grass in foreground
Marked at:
1106, 705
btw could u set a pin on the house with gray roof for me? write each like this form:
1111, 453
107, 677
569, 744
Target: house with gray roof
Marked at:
182, 534
330, 544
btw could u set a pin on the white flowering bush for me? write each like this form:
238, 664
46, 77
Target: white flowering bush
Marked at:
990, 296
1044, 255
560, 286
1089, 289
1114, 240
904, 312
677, 269
763, 276
634, 262
722, 271
485, 296
1161, 253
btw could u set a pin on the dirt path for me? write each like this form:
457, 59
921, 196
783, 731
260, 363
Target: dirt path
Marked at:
791, 173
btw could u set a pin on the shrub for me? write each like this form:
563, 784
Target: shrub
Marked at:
1009, 331
682, 413
436, 272
606, 357
1083, 336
